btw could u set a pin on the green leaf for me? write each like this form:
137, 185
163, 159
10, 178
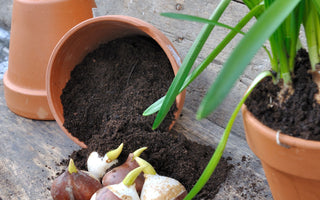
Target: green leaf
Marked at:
157, 105
311, 23
187, 64
267, 23
253, 3
200, 20
316, 4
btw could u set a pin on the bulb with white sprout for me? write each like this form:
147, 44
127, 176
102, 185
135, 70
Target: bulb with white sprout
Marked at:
122, 191
157, 187
117, 174
98, 166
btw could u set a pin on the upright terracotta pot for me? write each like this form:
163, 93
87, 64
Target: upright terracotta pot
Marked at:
87, 36
37, 26
291, 165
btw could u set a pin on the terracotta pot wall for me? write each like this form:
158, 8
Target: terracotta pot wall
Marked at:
37, 26
292, 168
87, 36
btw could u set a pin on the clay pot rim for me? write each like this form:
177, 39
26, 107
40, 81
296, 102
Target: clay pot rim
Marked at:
291, 141
148, 29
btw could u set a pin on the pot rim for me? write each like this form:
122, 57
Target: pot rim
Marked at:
295, 156
139, 25
285, 139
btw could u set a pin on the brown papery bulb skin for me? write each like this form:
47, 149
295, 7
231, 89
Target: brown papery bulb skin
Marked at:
74, 186
117, 174
181, 196
105, 194
57, 191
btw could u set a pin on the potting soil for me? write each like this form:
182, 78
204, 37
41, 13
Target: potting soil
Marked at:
299, 115
103, 104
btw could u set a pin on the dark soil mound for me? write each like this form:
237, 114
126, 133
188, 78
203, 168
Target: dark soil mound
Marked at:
103, 105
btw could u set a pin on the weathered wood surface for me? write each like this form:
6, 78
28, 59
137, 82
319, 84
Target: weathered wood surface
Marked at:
29, 153
30, 150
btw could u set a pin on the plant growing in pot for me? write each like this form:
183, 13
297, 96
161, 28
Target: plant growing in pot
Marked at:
280, 21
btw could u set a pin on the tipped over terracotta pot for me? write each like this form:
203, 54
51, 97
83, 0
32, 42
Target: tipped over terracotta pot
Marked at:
87, 36
291, 164
37, 26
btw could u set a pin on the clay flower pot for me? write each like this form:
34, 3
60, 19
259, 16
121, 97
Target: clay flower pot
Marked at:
37, 26
291, 164
87, 36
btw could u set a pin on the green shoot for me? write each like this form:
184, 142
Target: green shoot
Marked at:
71, 167
206, 174
114, 154
132, 176
284, 42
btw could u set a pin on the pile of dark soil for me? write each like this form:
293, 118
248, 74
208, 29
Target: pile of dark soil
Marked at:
103, 104
299, 115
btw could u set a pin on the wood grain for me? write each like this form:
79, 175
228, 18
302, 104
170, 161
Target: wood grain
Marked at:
30, 151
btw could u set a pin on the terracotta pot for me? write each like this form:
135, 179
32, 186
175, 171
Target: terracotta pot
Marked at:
291, 165
37, 26
87, 36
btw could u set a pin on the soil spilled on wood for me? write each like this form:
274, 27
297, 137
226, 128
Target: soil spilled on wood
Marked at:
299, 115
103, 104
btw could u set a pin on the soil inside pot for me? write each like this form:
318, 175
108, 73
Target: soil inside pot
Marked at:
103, 104
299, 115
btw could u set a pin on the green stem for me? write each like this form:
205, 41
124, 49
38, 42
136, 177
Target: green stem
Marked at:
284, 42
223, 141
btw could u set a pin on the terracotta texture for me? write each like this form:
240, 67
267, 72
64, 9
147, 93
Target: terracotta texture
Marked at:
37, 26
87, 36
292, 168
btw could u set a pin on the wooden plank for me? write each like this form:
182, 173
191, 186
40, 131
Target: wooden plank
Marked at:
30, 150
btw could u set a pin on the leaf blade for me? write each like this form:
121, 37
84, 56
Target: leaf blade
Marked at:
203, 65
239, 59
200, 20
187, 64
